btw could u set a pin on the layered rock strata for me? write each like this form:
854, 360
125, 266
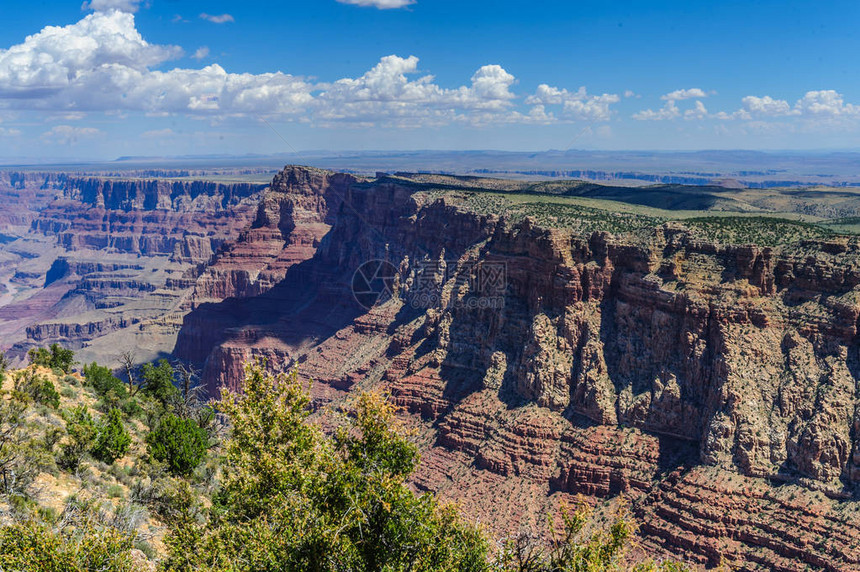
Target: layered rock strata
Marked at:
103, 264
604, 366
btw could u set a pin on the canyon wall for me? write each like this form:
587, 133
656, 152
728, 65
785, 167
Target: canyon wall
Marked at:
104, 264
187, 220
715, 386
291, 219
24, 194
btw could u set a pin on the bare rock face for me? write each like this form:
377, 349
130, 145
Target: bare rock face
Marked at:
24, 195
291, 219
185, 220
686, 375
103, 265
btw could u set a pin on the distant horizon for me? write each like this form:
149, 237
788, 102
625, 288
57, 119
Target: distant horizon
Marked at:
5, 161
749, 168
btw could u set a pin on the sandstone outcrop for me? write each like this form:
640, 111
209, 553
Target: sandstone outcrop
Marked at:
295, 214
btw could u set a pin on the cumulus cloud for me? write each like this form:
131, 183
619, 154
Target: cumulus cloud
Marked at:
103, 64
67, 134
577, 105
201, 53
104, 45
217, 19
386, 93
765, 106
825, 103
670, 109
680, 94
105, 5
4, 132
381, 4
814, 105
699, 111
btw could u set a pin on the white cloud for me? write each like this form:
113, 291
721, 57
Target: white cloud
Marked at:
825, 103
386, 94
201, 53
103, 64
103, 44
491, 85
699, 111
68, 116
668, 111
538, 114
381, 4
814, 105
681, 94
10, 132
67, 134
105, 5
577, 105
217, 19
765, 106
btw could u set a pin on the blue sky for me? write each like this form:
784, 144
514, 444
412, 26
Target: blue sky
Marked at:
179, 77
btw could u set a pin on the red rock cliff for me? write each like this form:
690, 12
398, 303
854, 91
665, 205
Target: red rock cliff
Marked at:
661, 368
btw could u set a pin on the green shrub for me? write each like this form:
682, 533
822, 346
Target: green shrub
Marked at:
39, 356
108, 401
52, 437
16, 467
103, 380
113, 439
158, 381
36, 547
292, 496
39, 389
180, 443
55, 358
146, 548
82, 432
131, 408
168, 497
21, 506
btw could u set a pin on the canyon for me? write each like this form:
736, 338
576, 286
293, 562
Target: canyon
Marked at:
103, 264
545, 341
713, 386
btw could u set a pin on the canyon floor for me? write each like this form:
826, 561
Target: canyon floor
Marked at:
691, 351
